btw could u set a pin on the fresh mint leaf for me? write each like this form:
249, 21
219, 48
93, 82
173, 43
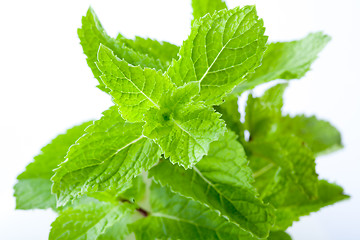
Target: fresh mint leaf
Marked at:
184, 134
221, 180
177, 121
109, 155
118, 231
231, 115
164, 51
202, 7
263, 113
134, 90
221, 50
320, 136
33, 189
177, 217
88, 221
291, 203
92, 34
286, 60
291, 155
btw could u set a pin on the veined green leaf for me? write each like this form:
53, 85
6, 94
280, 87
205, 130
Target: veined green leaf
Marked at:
176, 217
33, 189
164, 51
202, 7
320, 136
92, 34
88, 221
291, 203
118, 231
263, 113
184, 133
134, 90
220, 51
136, 192
231, 115
108, 156
286, 60
221, 180
291, 155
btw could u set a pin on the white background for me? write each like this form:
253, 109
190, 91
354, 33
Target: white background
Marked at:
46, 87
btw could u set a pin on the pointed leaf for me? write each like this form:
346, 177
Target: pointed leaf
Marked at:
134, 90
88, 221
33, 189
286, 60
164, 51
231, 115
176, 217
108, 156
92, 34
220, 51
320, 136
291, 203
184, 133
222, 181
291, 155
264, 112
202, 7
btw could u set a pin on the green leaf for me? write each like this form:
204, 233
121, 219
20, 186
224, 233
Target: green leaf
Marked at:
231, 115
202, 7
136, 192
320, 136
221, 180
279, 235
108, 156
286, 60
291, 203
220, 51
118, 231
164, 51
92, 34
176, 217
33, 189
263, 113
134, 90
88, 221
184, 133
291, 155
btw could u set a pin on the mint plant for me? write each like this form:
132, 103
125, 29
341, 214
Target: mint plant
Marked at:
172, 159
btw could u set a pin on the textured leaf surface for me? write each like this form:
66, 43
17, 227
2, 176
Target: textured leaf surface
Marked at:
263, 113
92, 34
286, 60
33, 189
222, 180
231, 115
108, 156
220, 51
184, 133
134, 90
291, 203
88, 221
176, 217
291, 155
118, 231
319, 135
202, 7
164, 51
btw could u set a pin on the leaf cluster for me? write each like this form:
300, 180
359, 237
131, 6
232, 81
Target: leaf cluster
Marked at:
172, 159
